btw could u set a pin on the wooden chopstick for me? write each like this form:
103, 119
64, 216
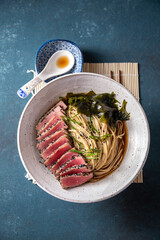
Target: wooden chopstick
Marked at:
119, 76
111, 74
119, 79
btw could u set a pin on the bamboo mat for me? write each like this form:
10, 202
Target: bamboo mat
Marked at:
129, 78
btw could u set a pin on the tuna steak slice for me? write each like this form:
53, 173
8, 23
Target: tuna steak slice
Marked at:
75, 169
46, 117
56, 127
51, 122
57, 154
76, 160
51, 113
74, 180
65, 158
62, 105
45, 142
54, 146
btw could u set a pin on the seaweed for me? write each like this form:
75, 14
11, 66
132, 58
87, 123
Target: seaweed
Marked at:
105, 105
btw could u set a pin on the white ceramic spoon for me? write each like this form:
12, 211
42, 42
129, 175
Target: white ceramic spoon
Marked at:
59, 63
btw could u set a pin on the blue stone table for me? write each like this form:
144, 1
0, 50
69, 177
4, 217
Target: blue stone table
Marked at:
106, 31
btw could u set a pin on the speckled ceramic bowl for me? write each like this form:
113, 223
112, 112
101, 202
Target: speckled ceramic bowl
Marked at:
52, 46
138, 138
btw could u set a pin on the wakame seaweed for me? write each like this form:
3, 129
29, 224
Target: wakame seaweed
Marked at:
104, 105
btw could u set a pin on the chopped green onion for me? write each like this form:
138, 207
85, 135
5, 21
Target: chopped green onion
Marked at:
104, 137
80, 144
77, 151
90, 154
70, 119
68, 110
68, 122
95, 149
76, 115
91, 125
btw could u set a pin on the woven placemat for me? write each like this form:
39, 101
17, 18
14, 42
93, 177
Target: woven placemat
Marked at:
128, 72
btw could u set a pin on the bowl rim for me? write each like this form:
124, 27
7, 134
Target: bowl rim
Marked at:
55, 40
131, 178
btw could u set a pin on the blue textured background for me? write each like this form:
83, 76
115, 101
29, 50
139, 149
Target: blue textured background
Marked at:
106, 31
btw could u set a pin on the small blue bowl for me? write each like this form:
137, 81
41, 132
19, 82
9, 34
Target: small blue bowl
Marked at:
52, 46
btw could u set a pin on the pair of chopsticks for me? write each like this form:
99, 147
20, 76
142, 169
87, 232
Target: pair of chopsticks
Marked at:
112, 76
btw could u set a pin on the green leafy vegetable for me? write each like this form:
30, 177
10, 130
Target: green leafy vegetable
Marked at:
124, 115
104, 105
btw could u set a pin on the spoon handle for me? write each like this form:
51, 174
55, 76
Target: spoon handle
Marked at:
25, 90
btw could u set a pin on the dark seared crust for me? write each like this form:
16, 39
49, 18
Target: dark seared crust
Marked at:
63, 155
46, 114
58, 149
58, 160
77, 174
52, 109
48, 123
55, 142
43, 140
67, 163
58, 171
82, 166
49, 128
76, 167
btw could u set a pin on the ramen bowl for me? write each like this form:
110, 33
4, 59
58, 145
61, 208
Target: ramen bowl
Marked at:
138, 138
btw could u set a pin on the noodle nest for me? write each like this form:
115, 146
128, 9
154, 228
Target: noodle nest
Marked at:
101, 145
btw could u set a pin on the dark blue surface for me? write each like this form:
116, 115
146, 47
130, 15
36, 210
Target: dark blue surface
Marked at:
106, 31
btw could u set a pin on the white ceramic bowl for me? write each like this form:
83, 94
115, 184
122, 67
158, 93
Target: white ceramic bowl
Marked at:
138, 138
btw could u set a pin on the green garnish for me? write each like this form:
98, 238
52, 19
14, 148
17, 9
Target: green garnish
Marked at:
77, 151
70, 119
68, 122
95, 149
89, 153
69, 110
124, 115
76, 115
104, 105
80, 144
91, 125
101, 138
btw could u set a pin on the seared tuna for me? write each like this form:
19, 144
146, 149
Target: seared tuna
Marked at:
58, 107
62, 105
65, 158
75, 169
51, 122
56, 127
54, 146
47, 117
74, 180
76, 160
45, 142
57, 154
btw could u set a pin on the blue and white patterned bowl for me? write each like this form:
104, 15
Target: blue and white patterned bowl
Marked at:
52, 46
